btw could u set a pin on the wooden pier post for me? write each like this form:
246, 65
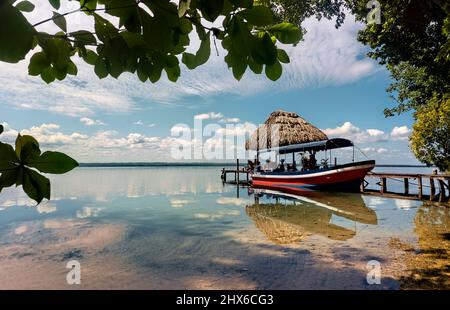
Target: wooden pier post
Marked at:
443, 186
383, 185
237, 171
441, 191
419, 185
432, 189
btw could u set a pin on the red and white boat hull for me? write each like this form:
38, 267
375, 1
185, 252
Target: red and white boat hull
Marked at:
346, 177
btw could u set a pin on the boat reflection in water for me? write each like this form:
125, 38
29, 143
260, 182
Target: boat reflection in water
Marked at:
287, 218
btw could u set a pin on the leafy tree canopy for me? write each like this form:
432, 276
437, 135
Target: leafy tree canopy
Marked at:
430, 140
151, 36
412, 40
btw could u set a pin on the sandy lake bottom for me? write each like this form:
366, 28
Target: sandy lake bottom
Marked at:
180, 228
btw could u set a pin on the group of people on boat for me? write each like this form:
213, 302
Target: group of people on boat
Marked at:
308, 162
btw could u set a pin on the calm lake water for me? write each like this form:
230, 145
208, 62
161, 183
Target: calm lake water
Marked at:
177, 228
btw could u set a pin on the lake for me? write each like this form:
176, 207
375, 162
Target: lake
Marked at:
181, 228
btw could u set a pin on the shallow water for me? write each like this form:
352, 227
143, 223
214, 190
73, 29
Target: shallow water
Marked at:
175, 228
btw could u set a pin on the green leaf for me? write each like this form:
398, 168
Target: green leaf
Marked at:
264, 51
239, 70
48, 75
53, 162
9, 178
84, 37
183, 6
16, 34
185, 25
57, 50
25, 6
274, 71
38, 63
88, 4
157, 33
143, 69
210, 8
35, 185
90, 57
173, 73
72, 68
237, 63
155, 73
286, 33
27, 148
55, 3
133, 39
242, 3
255, 67
8, 158
104, 29
241, 38
201, 57
1, 129
101, 68
259, 15
60, 21
283, 56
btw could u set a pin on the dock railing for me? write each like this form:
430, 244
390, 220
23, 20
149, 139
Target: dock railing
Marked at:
438, 184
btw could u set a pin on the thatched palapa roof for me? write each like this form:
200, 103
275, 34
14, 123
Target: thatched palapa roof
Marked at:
281, 129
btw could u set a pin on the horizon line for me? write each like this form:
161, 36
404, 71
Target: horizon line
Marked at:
206, 164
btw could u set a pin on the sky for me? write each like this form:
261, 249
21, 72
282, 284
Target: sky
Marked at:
330, 82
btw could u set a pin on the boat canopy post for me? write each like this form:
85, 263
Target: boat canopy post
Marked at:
353, 158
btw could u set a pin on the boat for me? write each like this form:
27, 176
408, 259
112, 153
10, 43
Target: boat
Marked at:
285, 134
343, 177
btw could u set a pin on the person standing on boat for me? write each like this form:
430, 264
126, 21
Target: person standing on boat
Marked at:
282, 168
312, 160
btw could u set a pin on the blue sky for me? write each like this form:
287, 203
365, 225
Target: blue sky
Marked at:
330, 82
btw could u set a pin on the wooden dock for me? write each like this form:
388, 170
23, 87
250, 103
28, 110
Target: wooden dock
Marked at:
438, 184
238, 176
430, 187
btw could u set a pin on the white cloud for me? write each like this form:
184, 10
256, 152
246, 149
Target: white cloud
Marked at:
380, 150
91, 122
45, 134
356, 134
375, 133
223, 142
139, 123
230, 120
210, 115
151, 125
327, 56
400, 133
